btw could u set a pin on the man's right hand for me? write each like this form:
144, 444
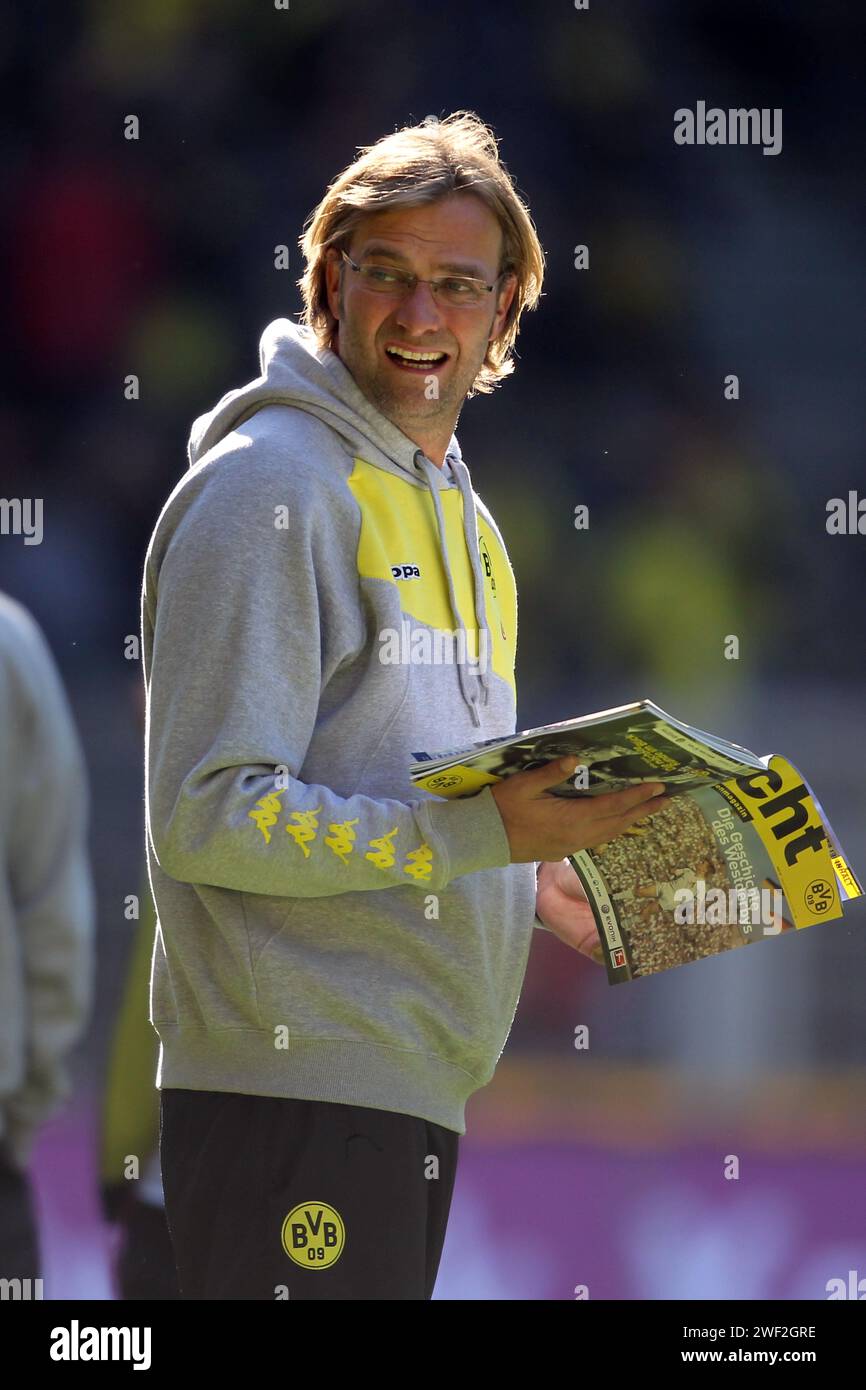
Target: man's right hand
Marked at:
541, 827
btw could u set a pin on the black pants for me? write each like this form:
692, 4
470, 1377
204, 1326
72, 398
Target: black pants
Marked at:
269, 1198
145, 1262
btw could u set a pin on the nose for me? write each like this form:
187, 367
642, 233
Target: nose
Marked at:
419, 312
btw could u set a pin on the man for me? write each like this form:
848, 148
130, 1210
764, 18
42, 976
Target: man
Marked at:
337, 964
47, 910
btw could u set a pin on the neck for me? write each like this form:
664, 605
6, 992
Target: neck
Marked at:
433, 447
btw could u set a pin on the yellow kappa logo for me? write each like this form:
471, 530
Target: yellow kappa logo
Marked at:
313, 1235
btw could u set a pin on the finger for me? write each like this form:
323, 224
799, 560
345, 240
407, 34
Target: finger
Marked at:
616, 803
649, 808
634, 802
537, 779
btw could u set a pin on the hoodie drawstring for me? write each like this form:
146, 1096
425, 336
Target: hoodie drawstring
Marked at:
469, 680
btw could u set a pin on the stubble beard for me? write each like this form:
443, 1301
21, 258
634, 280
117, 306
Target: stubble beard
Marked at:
401, 408
411, 405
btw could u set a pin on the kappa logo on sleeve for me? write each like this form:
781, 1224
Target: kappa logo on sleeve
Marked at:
306, 828
342, 838
383, 854
303, 827
420, 863
313, 1235
266, 814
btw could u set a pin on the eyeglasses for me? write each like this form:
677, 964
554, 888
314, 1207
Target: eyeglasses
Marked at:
454, 290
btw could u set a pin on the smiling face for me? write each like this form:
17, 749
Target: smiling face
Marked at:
457, 234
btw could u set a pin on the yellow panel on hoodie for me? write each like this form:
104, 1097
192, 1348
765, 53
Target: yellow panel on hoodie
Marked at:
399, 529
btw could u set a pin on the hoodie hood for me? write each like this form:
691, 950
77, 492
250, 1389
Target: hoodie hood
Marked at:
296, 371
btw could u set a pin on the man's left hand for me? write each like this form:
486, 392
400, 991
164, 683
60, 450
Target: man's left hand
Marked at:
562, 905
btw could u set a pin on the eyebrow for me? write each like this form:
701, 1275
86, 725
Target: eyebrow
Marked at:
455, 267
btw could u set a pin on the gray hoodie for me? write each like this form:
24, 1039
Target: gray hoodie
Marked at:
319, 602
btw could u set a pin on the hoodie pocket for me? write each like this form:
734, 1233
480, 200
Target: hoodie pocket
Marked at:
264, 925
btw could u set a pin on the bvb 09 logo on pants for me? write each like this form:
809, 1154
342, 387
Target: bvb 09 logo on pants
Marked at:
313, 1235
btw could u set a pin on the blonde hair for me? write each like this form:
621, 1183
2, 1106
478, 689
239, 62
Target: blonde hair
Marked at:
416, 165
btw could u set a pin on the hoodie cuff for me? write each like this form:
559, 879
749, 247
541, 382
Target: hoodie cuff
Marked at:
472, 832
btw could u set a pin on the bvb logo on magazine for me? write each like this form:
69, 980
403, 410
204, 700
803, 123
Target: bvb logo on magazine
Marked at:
819, 896
313, 1235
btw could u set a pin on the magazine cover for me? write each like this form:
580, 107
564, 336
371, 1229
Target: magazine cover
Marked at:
719, 867
743, 851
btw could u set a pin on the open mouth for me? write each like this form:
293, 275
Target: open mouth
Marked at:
419, 362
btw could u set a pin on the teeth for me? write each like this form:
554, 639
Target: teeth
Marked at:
415, 356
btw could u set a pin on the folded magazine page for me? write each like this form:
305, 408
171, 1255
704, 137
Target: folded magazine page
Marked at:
731, 860
618, 747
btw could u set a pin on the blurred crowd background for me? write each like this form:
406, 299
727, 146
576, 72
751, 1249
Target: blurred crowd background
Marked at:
155, 257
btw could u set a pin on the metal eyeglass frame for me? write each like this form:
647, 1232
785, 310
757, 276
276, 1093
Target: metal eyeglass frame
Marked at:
413, 280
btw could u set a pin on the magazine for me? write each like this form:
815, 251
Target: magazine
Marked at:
743, 851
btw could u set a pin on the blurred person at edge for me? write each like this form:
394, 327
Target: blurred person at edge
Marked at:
46, 917
132, 1198
337, 965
